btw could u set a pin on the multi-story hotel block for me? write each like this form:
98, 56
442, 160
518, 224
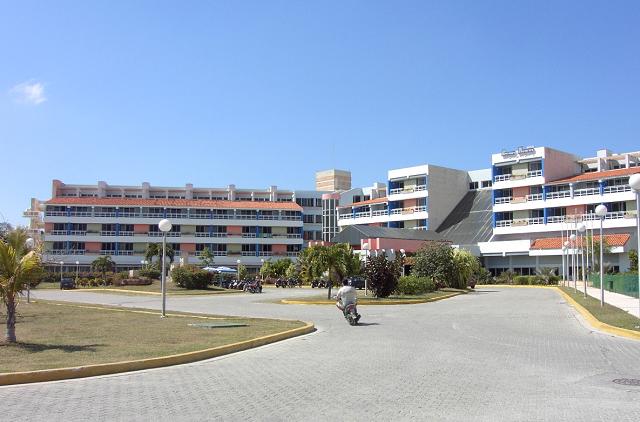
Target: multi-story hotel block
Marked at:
419, 197
539, 192
82, 222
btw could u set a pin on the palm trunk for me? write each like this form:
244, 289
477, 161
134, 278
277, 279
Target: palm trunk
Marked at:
11, 319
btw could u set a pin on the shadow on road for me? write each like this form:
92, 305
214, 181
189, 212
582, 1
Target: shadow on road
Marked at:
366, 324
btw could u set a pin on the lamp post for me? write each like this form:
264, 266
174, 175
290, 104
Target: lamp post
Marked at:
564, 275
366, 247
601, 212
238, 262
566, 262
164, 225
77, 270
582, 228
29, 244
573, 261
61, 264
402, 251
634, 182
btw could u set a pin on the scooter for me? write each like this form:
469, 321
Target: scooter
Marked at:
350, 313
255, 287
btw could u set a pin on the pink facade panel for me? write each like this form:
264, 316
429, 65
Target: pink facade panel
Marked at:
187, 247
140, 228
521, 192
409, 203
234, 229
92, 246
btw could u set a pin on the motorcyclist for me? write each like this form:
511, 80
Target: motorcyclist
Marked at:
345, 296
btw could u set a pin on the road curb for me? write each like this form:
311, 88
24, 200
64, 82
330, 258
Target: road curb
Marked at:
594, 322
366, 303
158, 362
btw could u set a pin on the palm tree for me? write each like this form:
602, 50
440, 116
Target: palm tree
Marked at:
155, 249
17, 263
206, 257
333, 260
103, 264
546, 276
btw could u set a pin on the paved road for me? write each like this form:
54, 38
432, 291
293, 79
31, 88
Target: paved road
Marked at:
498, 354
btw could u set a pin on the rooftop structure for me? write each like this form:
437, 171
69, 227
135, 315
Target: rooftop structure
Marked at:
333, 180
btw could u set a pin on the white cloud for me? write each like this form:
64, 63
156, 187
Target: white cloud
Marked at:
29, 92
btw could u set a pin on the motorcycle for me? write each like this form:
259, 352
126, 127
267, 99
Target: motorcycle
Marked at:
350, 313
281, 283
253, 287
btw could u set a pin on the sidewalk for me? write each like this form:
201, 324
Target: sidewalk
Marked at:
624, 302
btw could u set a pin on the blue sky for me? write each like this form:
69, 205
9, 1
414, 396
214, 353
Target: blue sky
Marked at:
267, 92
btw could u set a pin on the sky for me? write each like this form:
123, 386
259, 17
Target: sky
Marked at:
267, 92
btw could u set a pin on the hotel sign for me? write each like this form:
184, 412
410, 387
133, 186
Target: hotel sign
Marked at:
520, 152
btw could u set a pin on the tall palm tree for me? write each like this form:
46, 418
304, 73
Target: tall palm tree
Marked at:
103, 264
155, 249
333, 260
17, 263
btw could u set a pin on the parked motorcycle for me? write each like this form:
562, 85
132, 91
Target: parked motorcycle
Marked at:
319, 284
281, 283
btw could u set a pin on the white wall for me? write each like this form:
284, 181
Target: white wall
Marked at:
558, 164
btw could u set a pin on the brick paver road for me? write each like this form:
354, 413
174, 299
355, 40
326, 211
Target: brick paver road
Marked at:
498, 354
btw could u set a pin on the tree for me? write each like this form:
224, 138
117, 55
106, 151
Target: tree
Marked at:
332, 259
465, 266
102, 265
5, 229
596, 251
17, 263
206, 257
242, 272
633, 260
292, 271
155, 249
435, 260
382, 274
308, 261
279, 267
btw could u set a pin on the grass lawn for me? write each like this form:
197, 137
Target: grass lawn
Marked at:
56, 335
370, 299
607, 314
154, 287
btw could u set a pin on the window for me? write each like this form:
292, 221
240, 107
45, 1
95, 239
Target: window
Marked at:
535, 190
248, 229
318, 219
486, 183
318, 202
108, 246
249, 248
535, 166
473, 185
265, 230
307, 218
305, 202
536, 213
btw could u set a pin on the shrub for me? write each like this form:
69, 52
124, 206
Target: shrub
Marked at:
413, 285
483, 276
522, 280
191, 277
382, 274
436, 260
506, 277
151, 273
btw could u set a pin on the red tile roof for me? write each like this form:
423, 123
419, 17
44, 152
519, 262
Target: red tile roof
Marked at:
613, 240
176, 203
368, 202
609, 174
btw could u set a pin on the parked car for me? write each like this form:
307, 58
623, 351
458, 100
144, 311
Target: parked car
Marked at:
67, 283
356, 282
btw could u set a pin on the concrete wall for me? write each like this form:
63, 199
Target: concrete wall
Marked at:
558, 164
446, 188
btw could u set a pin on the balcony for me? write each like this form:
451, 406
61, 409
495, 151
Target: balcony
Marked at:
248, 235
534, 173
398, 191
169, 234
617, 189
108, 233
213, 234
409, 210
31, 214
502, 178
614, 215
534, 197
293, 254
104, 214
503, 200
125, 233
586, 192
248, 253
559, 194
58, 233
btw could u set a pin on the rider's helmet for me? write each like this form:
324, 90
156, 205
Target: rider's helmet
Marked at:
346, 282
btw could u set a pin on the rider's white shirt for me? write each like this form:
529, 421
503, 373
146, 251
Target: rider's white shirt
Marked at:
347, 294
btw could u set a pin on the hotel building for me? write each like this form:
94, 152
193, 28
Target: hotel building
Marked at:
81, 222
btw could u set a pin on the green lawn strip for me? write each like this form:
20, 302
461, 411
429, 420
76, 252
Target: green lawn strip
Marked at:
57, 335
607, 314
370, 299
154, 287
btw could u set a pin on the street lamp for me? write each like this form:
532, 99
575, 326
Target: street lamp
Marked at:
601, 212
564, 275
366, 247
573, 261
634, 182
402, 251
566, 263
582, 228
238, 262
61, 264
164, 225
29, 244
77, 270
